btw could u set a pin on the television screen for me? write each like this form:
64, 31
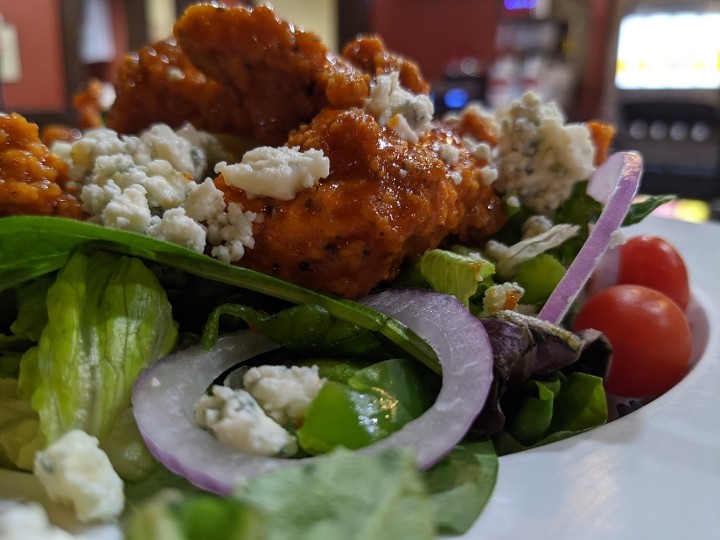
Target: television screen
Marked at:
669, 50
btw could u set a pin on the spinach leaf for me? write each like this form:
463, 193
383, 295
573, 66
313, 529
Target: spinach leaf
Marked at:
461, 484
640, 210
307, 328
36, 245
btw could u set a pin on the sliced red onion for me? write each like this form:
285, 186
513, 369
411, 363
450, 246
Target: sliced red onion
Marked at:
605, 274
164, 396
622, 170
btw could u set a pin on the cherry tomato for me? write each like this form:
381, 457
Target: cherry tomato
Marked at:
655, 263
649, 335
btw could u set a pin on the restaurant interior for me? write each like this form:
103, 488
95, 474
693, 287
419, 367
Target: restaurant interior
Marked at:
598, 59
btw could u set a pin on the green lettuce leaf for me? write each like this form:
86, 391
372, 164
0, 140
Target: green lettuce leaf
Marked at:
341, 496
553, 410
169, 515
345, 495
20, 435
32, 308
108, 318
457, 274
528, 349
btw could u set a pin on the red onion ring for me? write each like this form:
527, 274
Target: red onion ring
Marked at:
164, 396
624, 170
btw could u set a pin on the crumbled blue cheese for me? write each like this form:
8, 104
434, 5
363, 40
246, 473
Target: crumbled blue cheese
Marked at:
409, 115
284, 393
482, 152
236, 419
539, 156
127, 210
279, 173
449, 154
152, 184
231, 232
29, 521
535, 225
500, 296
76, 472
177, 227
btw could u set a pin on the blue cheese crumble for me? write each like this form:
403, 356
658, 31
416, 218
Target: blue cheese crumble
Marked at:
236, 419
77, 473
539, 157
285, 393
502, 296
253, 419
153, 184
407, 114
29, 521
276, 172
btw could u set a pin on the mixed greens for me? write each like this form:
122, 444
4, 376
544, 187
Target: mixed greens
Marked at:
88, 311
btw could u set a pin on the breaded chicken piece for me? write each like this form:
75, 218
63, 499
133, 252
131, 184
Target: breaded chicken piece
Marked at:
158, 83
385, 202
370, 54
33, 180
282, 75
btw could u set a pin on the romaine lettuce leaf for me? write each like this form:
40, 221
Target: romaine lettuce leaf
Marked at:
20, 435
108, 318
32, 308
458, 274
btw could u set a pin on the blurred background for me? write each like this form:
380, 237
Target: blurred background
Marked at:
651, 67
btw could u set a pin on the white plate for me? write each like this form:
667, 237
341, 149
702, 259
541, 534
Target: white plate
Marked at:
654, 473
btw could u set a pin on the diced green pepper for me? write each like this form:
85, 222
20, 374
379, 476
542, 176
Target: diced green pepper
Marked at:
539, 276
371, 404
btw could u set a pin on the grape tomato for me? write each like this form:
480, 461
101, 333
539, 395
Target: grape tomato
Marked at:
649, 334
655, 263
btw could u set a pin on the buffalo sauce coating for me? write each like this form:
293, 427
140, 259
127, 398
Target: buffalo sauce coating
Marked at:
158, 83
385, 202
282, 75
370, 54
33, 180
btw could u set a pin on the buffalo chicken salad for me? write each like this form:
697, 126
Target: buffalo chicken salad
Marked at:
330, 324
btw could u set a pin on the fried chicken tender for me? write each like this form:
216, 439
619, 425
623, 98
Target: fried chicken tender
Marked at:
33, 180
385, 202
282, 75
370, 54
158, 83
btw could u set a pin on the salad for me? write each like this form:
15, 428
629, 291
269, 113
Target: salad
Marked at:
169, 352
